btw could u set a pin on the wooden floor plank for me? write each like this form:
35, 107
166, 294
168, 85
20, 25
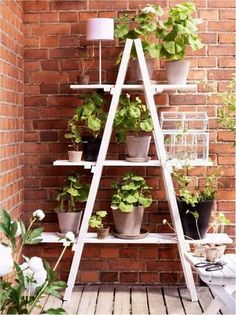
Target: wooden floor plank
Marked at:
71, 307
173, 302
191, 308
156, 301
105, 301
139, 301
52, 302
122, 301
88, 301
205, 297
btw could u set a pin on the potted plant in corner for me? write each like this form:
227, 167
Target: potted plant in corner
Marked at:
68, 197
175, 34
75, 138
92, 114
132, 195
96, 221
84, 63
142, 25
132, 119
195, 205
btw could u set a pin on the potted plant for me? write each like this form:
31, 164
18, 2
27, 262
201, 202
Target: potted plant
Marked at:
142, 25
133, 117
92, 114
175, 34
84, 63
195, 204
96, 221
69, 195
75, 138
132, 195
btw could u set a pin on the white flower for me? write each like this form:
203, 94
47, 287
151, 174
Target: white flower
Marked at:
39, 214
24, 266
69, 238
6, 261
149, 10
36, 264
164, 221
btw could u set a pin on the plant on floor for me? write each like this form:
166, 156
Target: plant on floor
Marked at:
132, 116
132, 191
72, 192
142, 25
22, 286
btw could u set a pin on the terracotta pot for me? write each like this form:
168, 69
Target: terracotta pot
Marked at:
69, 221
138, 147
103, 233
83, 79
135, 72
75, 156
204, 210
177, 71
215, 252
128, 222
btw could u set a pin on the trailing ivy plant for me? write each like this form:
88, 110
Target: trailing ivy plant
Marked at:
132, 116
130, 192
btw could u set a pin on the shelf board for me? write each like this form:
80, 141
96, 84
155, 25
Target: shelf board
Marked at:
157, 88
152, 238
85, 164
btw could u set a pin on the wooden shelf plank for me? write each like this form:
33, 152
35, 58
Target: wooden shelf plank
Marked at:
152, 238
85, 164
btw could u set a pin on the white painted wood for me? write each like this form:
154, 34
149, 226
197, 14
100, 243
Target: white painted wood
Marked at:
85, 164
122, 304
139, 301
156, 301
88, 300
52, 302
223, 297
173, 302
156, 88
71, 307
205, 297
190, 307
105, 301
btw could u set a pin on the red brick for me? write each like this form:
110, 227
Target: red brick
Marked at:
219, 4
49, 41
168, 277
129, 253
36, 53
89, 276
209, 14
226, 62
129, 277
37, 6
207, 62
51, 29
227, 38
68, 17
109, 277
109, 252
227, 14
127, 265
49, 17
220, 26
222, 50
220, 74
149, 277
69, 5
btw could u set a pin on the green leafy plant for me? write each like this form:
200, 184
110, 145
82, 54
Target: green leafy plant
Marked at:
142, 25
91, 113
96, 220
29, 282
218, 222
74, 134
178, 32
228, 109
192, 197
72, 192
131, 116
130, 192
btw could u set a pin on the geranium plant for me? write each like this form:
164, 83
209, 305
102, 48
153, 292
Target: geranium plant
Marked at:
23, 285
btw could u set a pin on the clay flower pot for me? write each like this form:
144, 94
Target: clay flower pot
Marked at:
138, 147
103, 232
75, 156
69, 221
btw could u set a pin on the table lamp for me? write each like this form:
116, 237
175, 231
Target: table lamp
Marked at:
100, 29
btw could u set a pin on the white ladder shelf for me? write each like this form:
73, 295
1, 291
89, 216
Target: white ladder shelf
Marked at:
97, 167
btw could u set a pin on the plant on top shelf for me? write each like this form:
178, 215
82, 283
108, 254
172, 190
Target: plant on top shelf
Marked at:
175, 34
142, 25
70, 194
96, 221
84, 62
133, 117
132, 195
195, 203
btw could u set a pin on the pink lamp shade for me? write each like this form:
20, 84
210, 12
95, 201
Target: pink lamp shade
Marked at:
100, 29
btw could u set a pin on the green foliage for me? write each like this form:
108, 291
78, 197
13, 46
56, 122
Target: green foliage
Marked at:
57, 311
177, 32
74, 134
72, 192
198, 194
228, 109
143, 25
132, 115
96, 220
8, 227
218, 222
131, 191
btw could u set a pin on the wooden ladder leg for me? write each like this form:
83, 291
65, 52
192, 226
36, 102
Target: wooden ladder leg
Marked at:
169, 187
97, 170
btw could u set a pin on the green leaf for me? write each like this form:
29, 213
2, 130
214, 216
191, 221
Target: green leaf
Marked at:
146, 125
125, 207
55, 311
170, 47
94, 123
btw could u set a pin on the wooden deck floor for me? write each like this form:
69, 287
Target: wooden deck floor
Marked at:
135, 300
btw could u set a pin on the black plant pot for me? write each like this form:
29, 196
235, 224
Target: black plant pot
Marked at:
91, 148
204, 209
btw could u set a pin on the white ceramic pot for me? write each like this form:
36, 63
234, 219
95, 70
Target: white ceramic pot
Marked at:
177, 71
75, 156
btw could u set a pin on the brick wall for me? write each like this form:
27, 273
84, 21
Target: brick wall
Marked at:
11, 107
53, 32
